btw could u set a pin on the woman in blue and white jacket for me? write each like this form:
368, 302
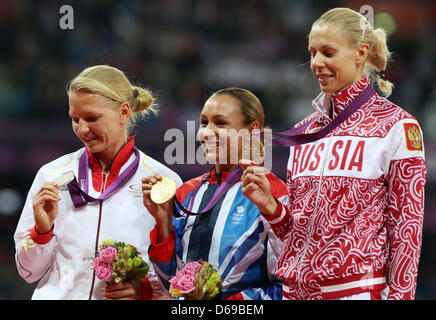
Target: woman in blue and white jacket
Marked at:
233, 235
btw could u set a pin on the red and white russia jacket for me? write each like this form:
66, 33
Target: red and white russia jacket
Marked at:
354, 212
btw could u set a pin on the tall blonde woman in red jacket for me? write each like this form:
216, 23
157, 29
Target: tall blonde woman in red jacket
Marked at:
352, 223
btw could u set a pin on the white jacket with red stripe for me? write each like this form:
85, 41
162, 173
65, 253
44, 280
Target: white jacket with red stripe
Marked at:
60, 261
355, 203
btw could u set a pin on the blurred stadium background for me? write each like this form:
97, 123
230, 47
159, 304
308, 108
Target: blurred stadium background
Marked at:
184, 50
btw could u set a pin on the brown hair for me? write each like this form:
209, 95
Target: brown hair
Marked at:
250, 105
252, 110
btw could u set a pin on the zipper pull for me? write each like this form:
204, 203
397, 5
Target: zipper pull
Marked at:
103, 185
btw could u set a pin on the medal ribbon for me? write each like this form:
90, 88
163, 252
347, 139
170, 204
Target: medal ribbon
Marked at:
79, 192
224, 187
290, 138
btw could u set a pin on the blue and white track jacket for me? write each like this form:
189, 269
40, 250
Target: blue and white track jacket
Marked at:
233, 236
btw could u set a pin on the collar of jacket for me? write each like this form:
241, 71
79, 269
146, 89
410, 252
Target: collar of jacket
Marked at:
119, 160
324, 101
218, 178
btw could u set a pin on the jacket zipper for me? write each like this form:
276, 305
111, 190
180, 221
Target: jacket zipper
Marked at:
315, 210
104, 176
322, 174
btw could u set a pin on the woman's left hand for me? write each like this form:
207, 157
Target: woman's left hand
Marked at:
125, 290
256, 187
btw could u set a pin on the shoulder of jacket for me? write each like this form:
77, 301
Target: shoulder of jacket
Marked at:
310, 117
187, 187
61, 162
150, 163
152, 166
379, 117
147, 160
58, 166
386, 108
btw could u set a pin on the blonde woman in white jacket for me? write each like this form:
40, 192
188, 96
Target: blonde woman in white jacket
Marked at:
59, 232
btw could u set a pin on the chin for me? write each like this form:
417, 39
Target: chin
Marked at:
327, 89
332, 86
95, 148
211, 159
214, 158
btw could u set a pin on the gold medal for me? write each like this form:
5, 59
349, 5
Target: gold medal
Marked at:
163, 190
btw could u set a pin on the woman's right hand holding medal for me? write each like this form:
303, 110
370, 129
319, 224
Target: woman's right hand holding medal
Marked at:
256, 187
45, 207
162, 212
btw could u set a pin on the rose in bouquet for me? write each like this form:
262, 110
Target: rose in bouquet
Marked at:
196, 281
117, 261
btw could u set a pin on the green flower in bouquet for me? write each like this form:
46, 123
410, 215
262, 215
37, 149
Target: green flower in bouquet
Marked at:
213, 285
196, 281
106, 243
117, 261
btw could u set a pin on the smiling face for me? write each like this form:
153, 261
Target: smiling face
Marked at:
221, 122
333, 61
98, 124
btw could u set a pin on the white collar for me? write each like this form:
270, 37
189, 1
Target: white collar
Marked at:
323, 103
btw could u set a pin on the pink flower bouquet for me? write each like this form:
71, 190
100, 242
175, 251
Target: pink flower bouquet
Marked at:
117, 261
196, 281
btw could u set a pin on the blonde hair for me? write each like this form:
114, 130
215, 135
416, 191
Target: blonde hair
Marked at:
358, 30
113, 84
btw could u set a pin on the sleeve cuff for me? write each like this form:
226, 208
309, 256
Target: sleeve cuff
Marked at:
163, 251
41, 238
237, 296
146, 291
278, 215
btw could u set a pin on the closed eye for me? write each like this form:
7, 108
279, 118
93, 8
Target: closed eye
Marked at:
220, 123
329, 53
92, 119
87, 119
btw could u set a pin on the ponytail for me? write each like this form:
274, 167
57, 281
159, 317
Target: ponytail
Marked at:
358, 30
